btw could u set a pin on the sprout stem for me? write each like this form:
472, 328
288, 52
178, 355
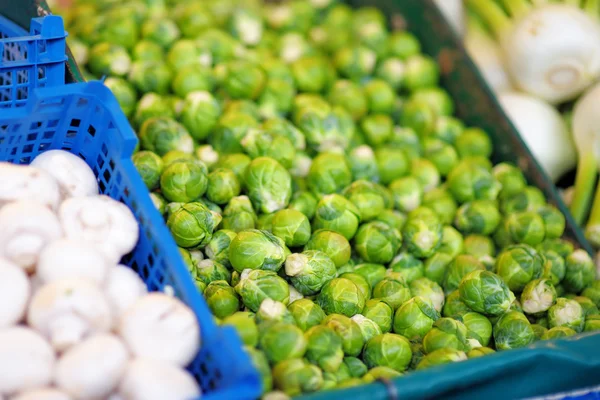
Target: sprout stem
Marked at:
517, 8
584, 185
595, 213
492, 14
592, 7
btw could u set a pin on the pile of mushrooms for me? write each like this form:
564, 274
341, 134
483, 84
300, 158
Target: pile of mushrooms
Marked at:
73, 323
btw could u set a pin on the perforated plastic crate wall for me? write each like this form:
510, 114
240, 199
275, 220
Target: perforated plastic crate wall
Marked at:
30, 59
85, 119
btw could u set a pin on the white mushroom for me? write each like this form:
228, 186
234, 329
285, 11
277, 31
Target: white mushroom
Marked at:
25, 228
43, 394
75, 178
162, 328
67, 258
26, 360
102, 222
93, 368
69, 310
14, 293
123, 287
154, 380
22, 182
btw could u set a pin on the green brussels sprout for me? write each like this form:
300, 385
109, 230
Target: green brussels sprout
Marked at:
378, 311
525, 227
258, 285
341, 296
441, 357
159, 202
161, 135
542, 321
592, 291
518, 265
331, 243
245, 326
162, 31
200, 114
355, 62
538, 331
327, 129
268, 184
454, 306
193, 224
377, 129
239, 215
150, 166
282, 341
184, 181
209, 270
221, 298
147, 50
246, 25
348, 330
418, 352
282, 127
192, 78
403, 45
436, 265
538, 296
306, 313
310, 73
483, 217
273, 311
588, 306
177, 155
415, 318
124, 92
566, 312
329, 173
295, 295
485, 292
528, 199
426, 173
335, 212
512, 331
363, 163
407, 140
580, 271
430, 290
276, 98
150, 76
422, 234
189, 263
255, 249
367, 197
419, 116
554, 221
391, 71
223, 186
380, 96
109, 59
184, 53
260, 362
372, 273
368, 327
388, 350
305, 202
309, 271
392, 164
355, 366
236, 162
231, 130
408, 193
469, 181
118, 27
480, 352
560, 246
218, 44
392, 291
292, 227
438, 100
379, 373
558, 332
377, 242
295, 376
446, 333
243, 80
359, 281
510, 177
479, 329
259, 143
592, 323
479, 246
324, 348
351, 97
407, 267
442, 202
452, 242
421, 72
393, 218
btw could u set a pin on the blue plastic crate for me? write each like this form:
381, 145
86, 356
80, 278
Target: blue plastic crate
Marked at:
85, 119
30, 59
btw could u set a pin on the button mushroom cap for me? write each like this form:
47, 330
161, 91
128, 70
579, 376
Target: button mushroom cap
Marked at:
123, 287
26, 228
68, 311
102, 222
162, 328
42, 394
66, 258
147, 379
26, 360
14, 293
74, 177
93, 368
23, 182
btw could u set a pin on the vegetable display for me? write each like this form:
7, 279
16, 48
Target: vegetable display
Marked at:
324, 197
75, 324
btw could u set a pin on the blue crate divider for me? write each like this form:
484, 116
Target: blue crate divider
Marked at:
30, 59
85, 119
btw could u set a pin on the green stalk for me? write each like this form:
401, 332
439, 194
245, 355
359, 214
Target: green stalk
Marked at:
492, 14
592, 7
587, 171
517, 8
539, 3
592, 230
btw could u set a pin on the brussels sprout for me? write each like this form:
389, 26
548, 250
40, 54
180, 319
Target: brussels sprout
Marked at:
329, 173
525, 227
388, 350
469, 181
421, 72
378, 373
310, 73
419, 116
292, 227
415, 318
276, 98
367, 197
193, 224
259, 143
260, 362
518, 265
588, 306
391, 71
341, 296
452, 241
377, 242
446, 333
430, 290
426, 173
538, 331
309, 271
189, 263
257, 285
235, 162
336, 213
593, 292
435, 267
372, 273
268, 184
147, 50
331, 243
273, 311
209, 270
355, 62
124, 92
221, 298
554, 221
592, 323
230, 131
510, 177
392, 164
177, 155
438, 100
479, 246
356, 367
184, 181
162, 135
422, 233
558, 332
363, 163
407, 267
407, 140
377, 129
440, 357
200, 114
393, 218
245, 326
480, 352
185, 53
479, 329
538, 296
159, 202
567, 313
378, 311
150, 76
348, 330
350, 96
528, 199
580, 271
403, 45
244, 80
359, 281
239, 215
368, 327
162, 31
295, 295
306, 313
408, 193
149, 166
109, 59
282, 341
191, 78
295, 376
380, 96
255, 249
304, 202
442, 202
512, 331
282, 127
454, 306
326, 129
479, 216
392, 291
222, 186
485, 293
324, 348
474, 142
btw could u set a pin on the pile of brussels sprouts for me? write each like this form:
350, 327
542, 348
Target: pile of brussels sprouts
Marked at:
324, 198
